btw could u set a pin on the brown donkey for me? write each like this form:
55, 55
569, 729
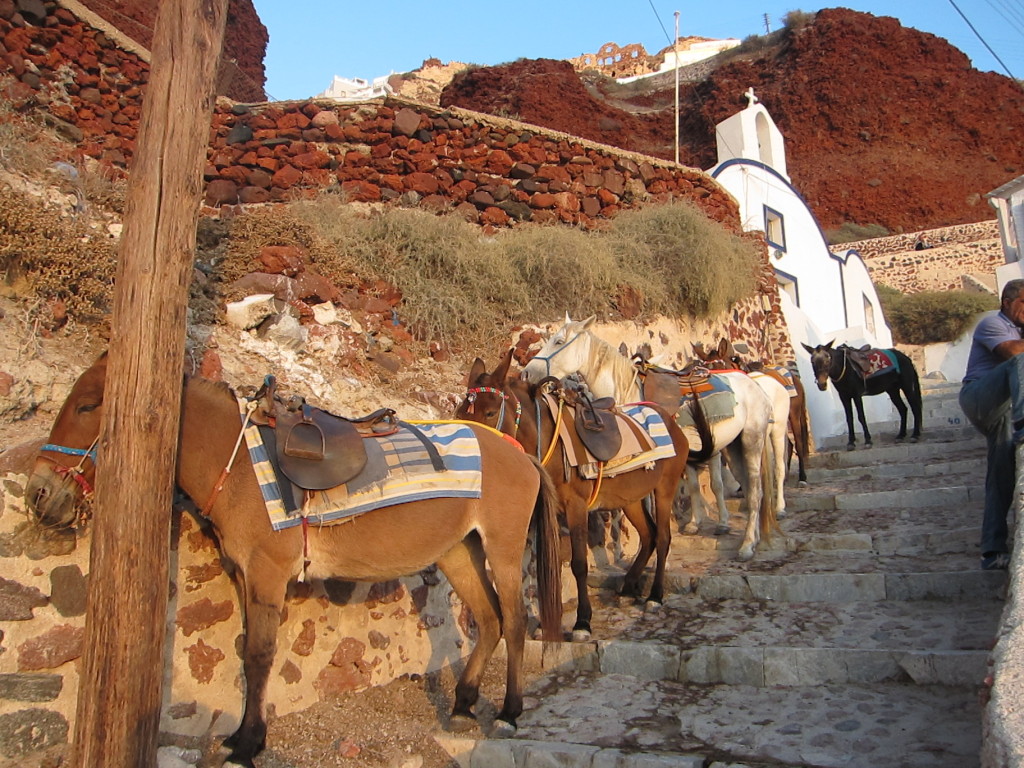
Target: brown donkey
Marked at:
464, 536
510, 405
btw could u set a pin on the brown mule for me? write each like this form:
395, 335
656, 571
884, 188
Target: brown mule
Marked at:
464, 536
509, 405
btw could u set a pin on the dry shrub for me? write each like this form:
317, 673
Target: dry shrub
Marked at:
54, 257
930, 317
689, 263
461, 287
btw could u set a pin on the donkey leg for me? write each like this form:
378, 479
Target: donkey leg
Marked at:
506, 559
696, 501
718, 488
851, 442
576, 517
747, 453
859, 402
901, 409
264, 595
465, 567
664, 495
643, 523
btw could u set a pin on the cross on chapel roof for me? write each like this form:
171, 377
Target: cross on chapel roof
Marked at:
751, 98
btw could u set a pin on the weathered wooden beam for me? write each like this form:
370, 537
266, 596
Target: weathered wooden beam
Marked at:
120, 690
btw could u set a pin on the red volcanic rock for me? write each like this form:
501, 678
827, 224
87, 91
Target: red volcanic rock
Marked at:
285, 260
858, 98
242, 74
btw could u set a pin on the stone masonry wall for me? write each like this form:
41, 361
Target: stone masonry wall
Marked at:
963, 256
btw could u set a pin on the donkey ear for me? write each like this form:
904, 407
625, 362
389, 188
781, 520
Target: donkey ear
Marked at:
723, 348
567, 318
477, 370
589, 322
501, 372
810, 350
829, 345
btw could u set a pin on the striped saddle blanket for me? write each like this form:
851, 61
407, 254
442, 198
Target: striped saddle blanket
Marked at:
398, 469
645, 439
781, 374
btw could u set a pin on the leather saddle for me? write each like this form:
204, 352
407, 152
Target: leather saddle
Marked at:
595, 419
668, 388
317, 450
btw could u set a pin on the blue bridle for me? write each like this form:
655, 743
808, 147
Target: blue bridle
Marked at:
86, 452
546, 359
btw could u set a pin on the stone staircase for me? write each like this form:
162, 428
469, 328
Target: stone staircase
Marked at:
858, 636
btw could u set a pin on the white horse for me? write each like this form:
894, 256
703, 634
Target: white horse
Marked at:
719, 361
573, 347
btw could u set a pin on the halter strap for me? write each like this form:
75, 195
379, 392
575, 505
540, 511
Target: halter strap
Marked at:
89, 452
546, 359
76, 473
471, 395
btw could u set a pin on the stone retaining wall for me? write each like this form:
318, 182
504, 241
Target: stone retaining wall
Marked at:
971, 250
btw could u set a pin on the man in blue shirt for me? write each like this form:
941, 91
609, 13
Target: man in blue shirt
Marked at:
992, 398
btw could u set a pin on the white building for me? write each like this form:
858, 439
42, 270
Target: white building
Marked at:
357, 89
825, 296
1008, 200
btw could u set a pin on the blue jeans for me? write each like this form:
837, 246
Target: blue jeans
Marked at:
993, 403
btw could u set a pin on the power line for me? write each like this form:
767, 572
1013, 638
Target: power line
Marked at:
982, 39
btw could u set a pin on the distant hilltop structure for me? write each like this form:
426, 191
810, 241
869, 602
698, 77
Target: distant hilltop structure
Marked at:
633, 60
357, 89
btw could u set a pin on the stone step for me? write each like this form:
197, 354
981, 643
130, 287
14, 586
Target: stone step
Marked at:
898, 541
949, 445
903, 498
884, 433
934, 468
885, 725
969, 583
761, 667
520, 753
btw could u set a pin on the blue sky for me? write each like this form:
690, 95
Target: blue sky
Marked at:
313, 40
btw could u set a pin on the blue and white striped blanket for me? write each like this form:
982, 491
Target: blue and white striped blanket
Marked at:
399, 470
651, 423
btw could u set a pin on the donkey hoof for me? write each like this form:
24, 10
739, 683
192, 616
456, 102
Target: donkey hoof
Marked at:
851, 446
581, 635
868, 444
503, 729
745, 555
652, 606
802, 484
914, 439
234, 761
690, 529
721, 530
460, 723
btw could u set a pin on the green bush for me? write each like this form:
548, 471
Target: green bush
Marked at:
930, 317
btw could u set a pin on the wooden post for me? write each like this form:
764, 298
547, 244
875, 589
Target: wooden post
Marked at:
120, 689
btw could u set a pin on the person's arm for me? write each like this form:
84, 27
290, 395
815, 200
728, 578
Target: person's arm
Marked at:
1007, 349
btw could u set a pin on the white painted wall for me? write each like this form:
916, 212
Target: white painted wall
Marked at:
826, 296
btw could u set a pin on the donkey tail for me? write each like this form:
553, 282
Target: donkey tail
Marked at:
703, 427
549, 562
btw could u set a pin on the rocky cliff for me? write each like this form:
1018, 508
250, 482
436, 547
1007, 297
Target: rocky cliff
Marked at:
884, 124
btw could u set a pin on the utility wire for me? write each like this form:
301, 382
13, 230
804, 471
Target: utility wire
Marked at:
982, 39
1013, 17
